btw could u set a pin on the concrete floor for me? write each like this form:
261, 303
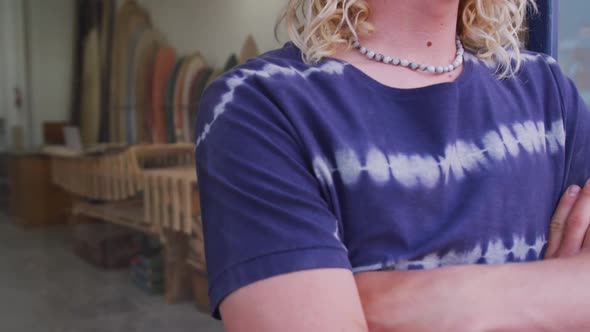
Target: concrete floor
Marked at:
44, 287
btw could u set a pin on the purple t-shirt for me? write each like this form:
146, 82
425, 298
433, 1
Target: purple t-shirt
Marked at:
320, 166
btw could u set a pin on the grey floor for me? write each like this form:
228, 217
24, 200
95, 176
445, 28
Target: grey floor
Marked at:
44, 287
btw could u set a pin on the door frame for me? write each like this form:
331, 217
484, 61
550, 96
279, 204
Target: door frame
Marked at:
543, 28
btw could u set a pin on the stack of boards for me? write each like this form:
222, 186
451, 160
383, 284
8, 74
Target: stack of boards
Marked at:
154, 91
148, 273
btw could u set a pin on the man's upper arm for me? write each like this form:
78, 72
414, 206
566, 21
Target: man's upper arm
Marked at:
264, 213
320, 300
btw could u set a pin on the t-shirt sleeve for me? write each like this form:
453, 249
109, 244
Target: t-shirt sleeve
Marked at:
262, 208
577, 130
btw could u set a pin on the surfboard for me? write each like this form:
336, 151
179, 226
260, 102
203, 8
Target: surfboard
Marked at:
127, 116
196, 90
176, 107
91, 88
231, 62
165, 59
249, 50
144, 71
169, 102
129, 18
192, 65
106, 54
88, 16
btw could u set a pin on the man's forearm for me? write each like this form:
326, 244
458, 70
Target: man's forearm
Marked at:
551, 295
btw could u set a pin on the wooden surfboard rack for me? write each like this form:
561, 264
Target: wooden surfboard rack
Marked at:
114, 173
149, 188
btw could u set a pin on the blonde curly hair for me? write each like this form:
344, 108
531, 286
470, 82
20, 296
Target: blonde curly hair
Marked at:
491, 29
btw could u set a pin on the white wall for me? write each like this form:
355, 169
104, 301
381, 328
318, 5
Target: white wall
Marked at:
4, 103
216, 28
13, 69
51, 41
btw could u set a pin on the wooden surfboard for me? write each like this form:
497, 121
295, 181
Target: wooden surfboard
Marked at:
196, 90
165, 60
88, 16
192, 65
106, 45
91, 88
176, 101
144, 71
127, 116
169, 102
249, 50
231, 62
129, 18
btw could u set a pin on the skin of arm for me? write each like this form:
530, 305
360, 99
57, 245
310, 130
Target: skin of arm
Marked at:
551, 295
322, 300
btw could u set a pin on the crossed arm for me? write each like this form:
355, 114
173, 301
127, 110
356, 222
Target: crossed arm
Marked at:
543, 296
550, 295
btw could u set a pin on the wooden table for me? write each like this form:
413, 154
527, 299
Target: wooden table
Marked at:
34, 200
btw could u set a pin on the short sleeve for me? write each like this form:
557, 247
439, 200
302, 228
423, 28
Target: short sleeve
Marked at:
262, 208
577, 130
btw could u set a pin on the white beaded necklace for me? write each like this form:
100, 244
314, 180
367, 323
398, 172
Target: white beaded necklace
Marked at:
372, 55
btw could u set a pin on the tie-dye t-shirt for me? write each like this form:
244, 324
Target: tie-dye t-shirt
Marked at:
320, 166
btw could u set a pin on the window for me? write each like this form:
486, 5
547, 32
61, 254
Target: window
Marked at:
574, 43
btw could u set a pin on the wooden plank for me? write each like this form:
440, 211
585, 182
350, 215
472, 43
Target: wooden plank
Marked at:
197, 228
165, 197
95, 180
108, 173
157, 202
103, 183
114, 173
178, 276
147, 199
199, 266
187, 208
130, 172
200, 291
127, 213
175, 204
121, 177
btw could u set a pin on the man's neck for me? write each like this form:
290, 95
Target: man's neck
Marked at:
419, 30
